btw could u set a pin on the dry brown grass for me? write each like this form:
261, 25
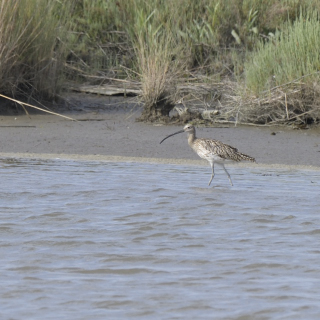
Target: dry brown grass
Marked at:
294, 103
228, 102
159, 71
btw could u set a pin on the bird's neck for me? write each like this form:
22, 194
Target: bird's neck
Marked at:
191, 138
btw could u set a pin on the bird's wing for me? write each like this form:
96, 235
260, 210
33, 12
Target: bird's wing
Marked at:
207, 148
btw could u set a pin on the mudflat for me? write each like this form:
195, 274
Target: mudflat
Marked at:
106, 128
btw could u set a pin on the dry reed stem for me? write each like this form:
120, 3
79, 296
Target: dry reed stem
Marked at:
32, 106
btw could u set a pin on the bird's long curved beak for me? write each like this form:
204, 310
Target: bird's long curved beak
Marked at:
170, 135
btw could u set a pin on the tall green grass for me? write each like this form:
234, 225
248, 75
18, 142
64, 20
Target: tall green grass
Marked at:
204, 26
288, 56
156, 42
32, 52
160, 63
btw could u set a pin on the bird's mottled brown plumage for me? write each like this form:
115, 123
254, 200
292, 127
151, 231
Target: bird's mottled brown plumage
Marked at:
212, 150
205, 148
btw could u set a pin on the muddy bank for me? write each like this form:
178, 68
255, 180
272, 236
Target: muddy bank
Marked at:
107, 127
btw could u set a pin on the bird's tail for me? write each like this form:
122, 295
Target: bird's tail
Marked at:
246, 157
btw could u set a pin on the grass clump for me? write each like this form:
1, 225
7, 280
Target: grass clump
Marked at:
31, 56
288, 56
159, 63
259, 57
284, 73
141, 39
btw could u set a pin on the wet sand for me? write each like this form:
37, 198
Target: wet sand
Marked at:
106, 130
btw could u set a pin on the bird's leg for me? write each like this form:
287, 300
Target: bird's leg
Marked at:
212, 167
227, 174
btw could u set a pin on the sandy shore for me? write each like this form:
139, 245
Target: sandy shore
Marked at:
106, 130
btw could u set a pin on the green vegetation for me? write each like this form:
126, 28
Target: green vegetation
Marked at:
286, 69
31, 51
249, 60
290, 55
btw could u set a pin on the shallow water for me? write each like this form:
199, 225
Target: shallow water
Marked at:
108, 240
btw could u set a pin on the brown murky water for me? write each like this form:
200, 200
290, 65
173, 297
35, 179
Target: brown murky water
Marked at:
112, 240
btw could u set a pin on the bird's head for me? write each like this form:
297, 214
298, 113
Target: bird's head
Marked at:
189, 128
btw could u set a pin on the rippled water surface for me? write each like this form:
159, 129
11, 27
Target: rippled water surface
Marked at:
106, 240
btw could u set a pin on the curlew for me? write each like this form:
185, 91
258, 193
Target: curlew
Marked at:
211, 150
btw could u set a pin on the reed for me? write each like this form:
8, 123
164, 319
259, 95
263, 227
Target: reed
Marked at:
31, 48
282, 75
205, 26
248, 44
289, 55
160, 61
